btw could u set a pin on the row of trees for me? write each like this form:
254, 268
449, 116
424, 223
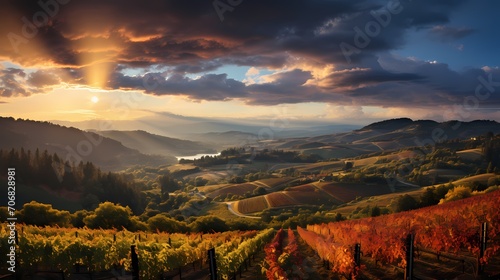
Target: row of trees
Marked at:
112, 216
242, 156
41, 168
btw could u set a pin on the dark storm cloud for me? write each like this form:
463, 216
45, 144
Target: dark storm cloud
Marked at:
174, 40
367, 77
207, 87
448, 33
185, 33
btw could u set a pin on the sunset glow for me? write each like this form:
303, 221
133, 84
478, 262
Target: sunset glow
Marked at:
232, 68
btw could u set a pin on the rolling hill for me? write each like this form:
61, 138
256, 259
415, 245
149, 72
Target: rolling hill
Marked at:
316, 193
386, 135
153, 144
73, 145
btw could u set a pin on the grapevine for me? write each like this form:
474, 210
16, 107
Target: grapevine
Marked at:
337, 254
452, 227
273, 251
54, 248
230, 259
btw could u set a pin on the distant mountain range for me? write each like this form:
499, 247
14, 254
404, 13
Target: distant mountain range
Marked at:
115, 150
206, 129
73, 144
420, 131
387, 135
153, 144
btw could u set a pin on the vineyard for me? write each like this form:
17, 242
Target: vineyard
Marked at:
59, 249
452, 228
284, 262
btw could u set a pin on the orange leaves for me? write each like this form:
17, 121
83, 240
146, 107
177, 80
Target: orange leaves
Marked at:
273, 251
338, 255
449, 227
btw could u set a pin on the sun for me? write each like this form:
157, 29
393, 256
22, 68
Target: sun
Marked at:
94, 99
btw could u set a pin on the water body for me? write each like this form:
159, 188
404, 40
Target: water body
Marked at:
197, 156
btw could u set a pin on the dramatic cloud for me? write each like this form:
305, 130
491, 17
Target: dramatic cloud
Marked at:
337, 52
206, 87
42, 78
16, 82
448, 33
255, 33
10, 83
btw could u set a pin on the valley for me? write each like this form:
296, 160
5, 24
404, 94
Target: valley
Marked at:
283, 183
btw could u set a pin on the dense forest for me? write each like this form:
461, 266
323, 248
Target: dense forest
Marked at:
93, 185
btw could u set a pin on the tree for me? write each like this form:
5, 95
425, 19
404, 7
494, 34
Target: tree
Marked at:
339, 217
375, 211
490, 168
77, 218
209, 224
404, 203
259, 191
167, 184
457, 193
109, 215
162, 223
200, 181
348, 165
266, 217
40, 214
429, 197
236, 180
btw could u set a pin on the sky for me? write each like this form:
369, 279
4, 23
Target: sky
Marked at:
329, 61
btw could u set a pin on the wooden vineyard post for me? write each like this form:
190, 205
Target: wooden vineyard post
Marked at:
212, 264
135, 263
409, 257
483, 239
357, 259
357, 254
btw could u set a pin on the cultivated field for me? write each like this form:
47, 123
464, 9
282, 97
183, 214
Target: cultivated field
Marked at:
346, 192
240, 189
251, 205
279, 199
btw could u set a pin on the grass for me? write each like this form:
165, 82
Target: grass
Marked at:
481, 178
218, 210
471, 154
